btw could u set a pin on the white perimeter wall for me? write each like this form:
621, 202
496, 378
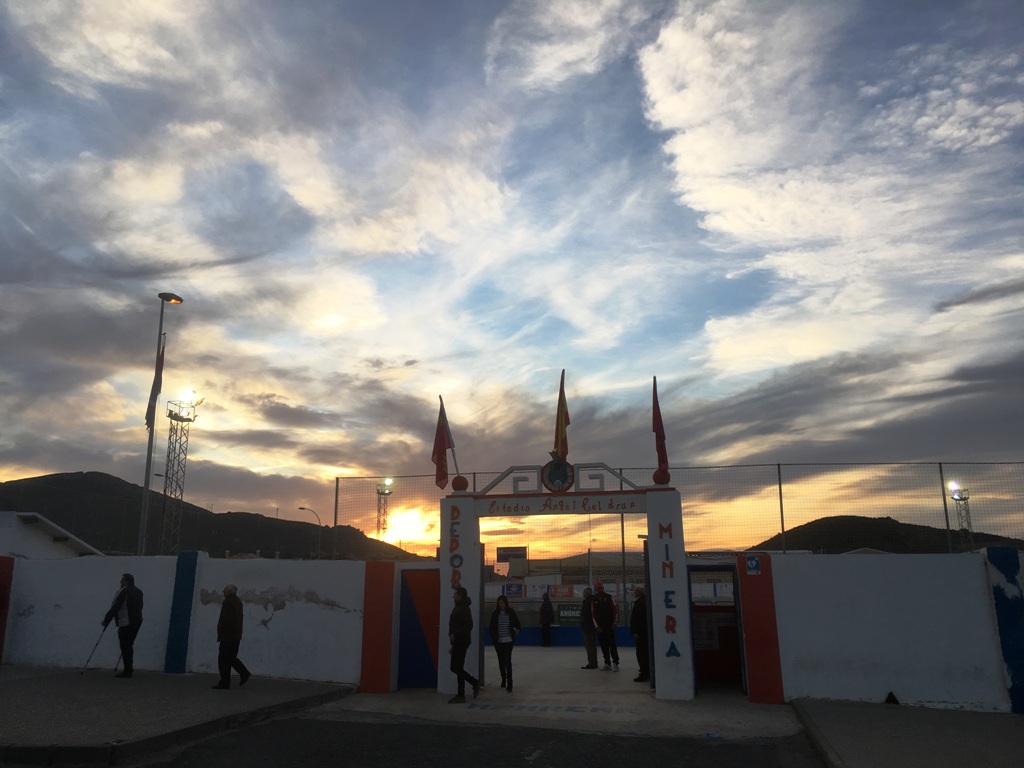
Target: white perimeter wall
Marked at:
57, 606
303, 618
856, 627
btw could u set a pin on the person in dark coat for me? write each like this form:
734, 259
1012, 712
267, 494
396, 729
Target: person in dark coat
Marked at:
126, 613
638, 628
587, 627
605, 614
547, 618
229, 636
504, 627
460, 634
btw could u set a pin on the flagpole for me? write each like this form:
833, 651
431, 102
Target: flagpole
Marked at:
140, 549
451, 440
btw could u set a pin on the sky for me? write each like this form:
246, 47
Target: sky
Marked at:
804, 218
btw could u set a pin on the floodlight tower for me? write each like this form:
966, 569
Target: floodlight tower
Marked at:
181, 416
963, 514
383, 491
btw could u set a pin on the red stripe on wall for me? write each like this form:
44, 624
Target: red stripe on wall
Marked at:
760, 629
6, 582
378, 609
425, 588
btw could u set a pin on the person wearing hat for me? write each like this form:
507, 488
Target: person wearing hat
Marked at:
605, 613
638, 628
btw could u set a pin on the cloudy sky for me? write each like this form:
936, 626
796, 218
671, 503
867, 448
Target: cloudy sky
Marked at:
804, 218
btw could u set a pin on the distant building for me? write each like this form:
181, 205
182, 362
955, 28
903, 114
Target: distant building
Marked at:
30, 536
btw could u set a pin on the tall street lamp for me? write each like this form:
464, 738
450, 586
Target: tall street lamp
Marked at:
165, 298
319, 528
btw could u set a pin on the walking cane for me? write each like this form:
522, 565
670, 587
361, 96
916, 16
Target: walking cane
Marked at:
93, 650
118, 663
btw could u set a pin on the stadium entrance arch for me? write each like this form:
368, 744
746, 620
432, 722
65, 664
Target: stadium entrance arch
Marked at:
462, 556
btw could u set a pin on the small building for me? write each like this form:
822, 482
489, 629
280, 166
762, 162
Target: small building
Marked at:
27, 535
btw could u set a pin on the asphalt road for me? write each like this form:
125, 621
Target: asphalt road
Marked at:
362, 740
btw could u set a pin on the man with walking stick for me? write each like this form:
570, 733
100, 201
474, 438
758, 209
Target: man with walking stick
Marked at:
126, 613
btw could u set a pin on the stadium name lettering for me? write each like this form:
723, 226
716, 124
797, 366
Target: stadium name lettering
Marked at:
668, 569
455, 558
552, 504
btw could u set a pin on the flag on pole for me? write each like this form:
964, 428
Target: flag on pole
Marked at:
442, 442
659, 431
154, 393
561, 422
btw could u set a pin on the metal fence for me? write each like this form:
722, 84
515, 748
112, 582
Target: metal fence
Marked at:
817, 508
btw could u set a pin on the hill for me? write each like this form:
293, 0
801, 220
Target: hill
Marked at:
104, 511
846, 533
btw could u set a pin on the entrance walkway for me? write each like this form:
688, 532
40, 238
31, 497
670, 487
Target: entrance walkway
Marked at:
551, 691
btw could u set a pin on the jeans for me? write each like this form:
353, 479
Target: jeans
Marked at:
504, 652
459, 667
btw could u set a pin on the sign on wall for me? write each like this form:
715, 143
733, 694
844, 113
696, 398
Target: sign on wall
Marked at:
508, 554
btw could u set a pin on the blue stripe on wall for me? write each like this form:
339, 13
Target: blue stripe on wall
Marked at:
176, 659
1009, 604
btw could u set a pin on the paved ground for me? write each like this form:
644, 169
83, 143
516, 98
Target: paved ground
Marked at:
62, 716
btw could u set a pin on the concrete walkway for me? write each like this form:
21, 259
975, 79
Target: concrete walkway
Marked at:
51, 715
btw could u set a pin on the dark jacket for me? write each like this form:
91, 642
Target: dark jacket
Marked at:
460, 623
547, 611
229, 625
587, 614
638, 617
513, 624
126, 610
605, 611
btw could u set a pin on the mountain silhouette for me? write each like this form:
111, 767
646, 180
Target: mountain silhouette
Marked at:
104, 511
848, 533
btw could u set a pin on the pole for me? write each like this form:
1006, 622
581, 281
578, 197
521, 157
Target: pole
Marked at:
782, 514
140, 548
93, 650
945, 508
334, 543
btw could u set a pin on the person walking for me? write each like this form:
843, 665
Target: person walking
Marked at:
504, 627
460, 635
605, 613
638, 628
547, 618
229, 637
126, 613
587, 627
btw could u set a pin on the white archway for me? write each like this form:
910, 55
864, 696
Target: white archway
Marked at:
669, 599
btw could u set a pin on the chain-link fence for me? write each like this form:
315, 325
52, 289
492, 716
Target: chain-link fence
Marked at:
821, 508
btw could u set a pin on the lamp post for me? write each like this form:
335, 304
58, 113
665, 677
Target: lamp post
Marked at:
165, 298
319, 528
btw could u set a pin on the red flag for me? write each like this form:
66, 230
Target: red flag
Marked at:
154, 393
659, 431
442, 442
561, 422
